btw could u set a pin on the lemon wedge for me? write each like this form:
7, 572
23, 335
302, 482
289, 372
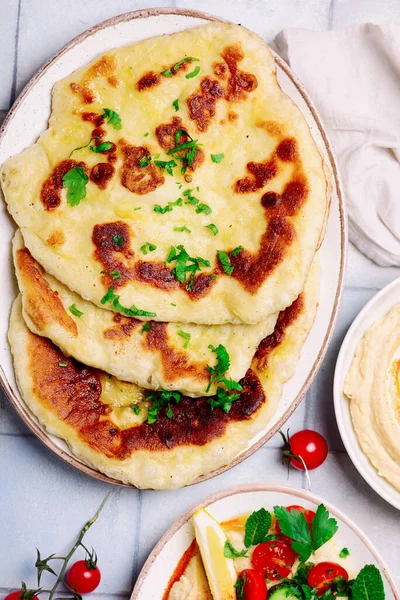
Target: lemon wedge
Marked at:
211, 540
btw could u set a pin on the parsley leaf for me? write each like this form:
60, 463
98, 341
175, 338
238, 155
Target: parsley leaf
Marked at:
147, 247
223, 400
192, 145
146, 134
223, 361
145, 161
112, 117
225, 261
344, 553
200, 206
103, 147
323, 527
118, 240
368, 584
175, 104
236, 251
115, 274
231, 552
146, 327
168, 165
212, 228
182, 229
160, 399
217, 158
82, 147
193, 73
159, 209
75, 181
186, 337
75, 311
182, 269
113, 299
169, 72
135, 409
257, 527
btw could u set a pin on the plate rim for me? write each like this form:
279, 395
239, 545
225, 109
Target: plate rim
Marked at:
24, 412
260, 487
372, 478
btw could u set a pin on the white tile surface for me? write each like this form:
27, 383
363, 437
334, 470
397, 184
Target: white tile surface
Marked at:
43, 502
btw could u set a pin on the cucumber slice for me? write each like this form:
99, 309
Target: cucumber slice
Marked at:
282, 591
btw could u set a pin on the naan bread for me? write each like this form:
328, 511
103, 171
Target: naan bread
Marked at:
95, 413
157, 358
267, 194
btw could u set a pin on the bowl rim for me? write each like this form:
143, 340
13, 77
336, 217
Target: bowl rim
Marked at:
24, 412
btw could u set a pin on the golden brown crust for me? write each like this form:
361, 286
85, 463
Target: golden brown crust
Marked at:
104, 67
137, 179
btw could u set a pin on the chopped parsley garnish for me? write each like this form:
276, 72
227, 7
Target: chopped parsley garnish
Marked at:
168, 165
146, 327
113, 299
193, 73
200, 206
146, 134
175, 104
160, 399
236, 251
118, 239
344, 553
138, 208
169, 72
115, 275
75, 311
62, 364
294, 525
231, 552
186, 336
224, 398
159, 209
181, 269
192, 145
103, 147
75, 181
82, 147
147, 247
182, 229
145, 161
212, 228
135, 409
112, 117
217, 158
225, 261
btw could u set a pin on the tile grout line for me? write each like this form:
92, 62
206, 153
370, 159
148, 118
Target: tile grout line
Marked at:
15, 67
137, 534
331, 13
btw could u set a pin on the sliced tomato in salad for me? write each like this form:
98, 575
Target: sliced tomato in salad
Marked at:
254, 586
323, 575
273, 560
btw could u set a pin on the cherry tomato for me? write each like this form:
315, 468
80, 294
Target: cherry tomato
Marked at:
254, 587
17, 595
312, 448
322, 575
81, 579
309, 515
273, 560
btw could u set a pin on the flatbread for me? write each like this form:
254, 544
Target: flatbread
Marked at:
94, 413
268, 192
160, 357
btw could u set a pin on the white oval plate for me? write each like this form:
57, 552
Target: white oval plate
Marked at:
233, 502
28, 118
376, 308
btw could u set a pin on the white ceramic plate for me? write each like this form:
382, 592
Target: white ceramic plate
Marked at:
376, 308
231, 503
28, 118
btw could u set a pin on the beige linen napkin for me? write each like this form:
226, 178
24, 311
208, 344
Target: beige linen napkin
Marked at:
353, 77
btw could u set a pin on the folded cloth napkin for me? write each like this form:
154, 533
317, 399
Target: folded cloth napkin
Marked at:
353, 77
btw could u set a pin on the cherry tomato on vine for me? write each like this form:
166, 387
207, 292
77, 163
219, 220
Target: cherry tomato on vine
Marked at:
254, 587
322, 575
83, 579
18, 594
310, 445
273, 560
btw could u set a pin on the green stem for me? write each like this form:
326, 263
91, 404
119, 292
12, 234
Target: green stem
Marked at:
75, 547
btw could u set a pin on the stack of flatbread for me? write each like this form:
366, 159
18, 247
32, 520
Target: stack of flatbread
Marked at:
168, 220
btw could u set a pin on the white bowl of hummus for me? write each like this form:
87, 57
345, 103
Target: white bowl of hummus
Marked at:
263, 540
367, 393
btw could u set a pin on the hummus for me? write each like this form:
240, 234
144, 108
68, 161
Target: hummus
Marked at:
373, 388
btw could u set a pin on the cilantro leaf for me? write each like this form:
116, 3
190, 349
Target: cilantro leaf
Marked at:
75, 311
112, 117
294, 525
193, 73
217, 158
103, 147
236, 251
175, 104
231, 552
323, 527
225, 262
147, 247
344, 553
113, 299
186, 336
368, 584
257, 527
75, 181
212, 228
